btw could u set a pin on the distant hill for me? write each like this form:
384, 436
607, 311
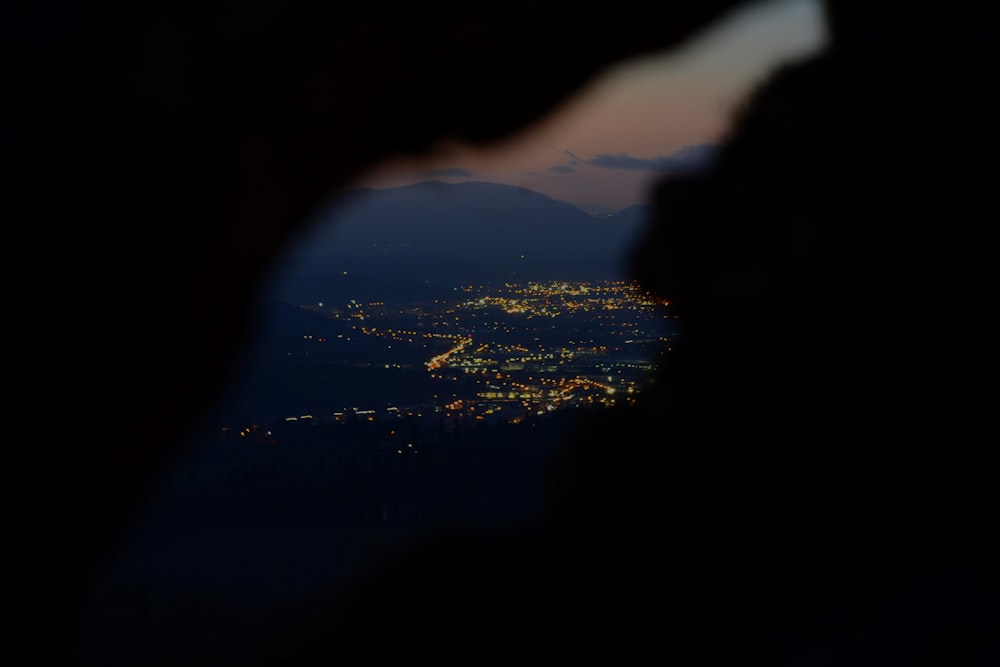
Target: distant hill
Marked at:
438, 233
631, 221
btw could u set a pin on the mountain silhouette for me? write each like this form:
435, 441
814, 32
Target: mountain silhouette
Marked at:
456, 232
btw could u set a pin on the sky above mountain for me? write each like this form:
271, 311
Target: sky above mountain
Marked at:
636, 122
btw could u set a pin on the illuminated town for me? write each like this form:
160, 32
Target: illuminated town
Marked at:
487, 353
368, 426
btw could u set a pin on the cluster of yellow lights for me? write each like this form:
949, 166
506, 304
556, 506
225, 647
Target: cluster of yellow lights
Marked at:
553, 298
442, 359
490, 360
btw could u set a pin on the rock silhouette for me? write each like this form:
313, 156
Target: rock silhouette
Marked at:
811, 485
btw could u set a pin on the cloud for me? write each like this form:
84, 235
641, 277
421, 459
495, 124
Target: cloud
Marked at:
564, 169
622, 161
451, 171
695, 157
689, 158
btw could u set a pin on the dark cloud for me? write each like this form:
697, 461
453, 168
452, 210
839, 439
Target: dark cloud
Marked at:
622, 161
695, 157
688, 158
564, 169
451, 171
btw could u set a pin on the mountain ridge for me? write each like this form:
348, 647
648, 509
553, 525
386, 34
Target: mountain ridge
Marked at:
453, 232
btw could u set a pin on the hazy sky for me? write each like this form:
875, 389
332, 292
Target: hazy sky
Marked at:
602, 149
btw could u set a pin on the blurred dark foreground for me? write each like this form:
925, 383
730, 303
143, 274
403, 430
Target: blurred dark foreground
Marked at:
813, 484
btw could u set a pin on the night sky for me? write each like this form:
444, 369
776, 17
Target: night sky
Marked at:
603, 149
